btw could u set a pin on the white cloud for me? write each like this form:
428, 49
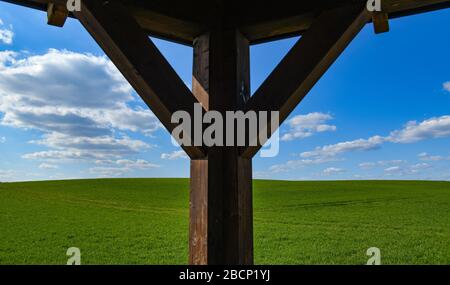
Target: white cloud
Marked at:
446, 86
48, 166
416, 169
80, 102
303, 126
426, 157
419, 166
333, 170
413, 131
180, 154
136, 164
335, 149
120, 167
85, 148
393, 169
6, 34
7, 57
2, 139
381, 163
295, 164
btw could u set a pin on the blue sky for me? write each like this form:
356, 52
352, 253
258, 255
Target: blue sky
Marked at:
382, 111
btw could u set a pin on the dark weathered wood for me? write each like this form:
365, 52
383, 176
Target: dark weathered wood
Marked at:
276, 29
182, 21
140, 62
380, 22
306, 62
221, 221
280, 19
198, 219
57, 15
165, 27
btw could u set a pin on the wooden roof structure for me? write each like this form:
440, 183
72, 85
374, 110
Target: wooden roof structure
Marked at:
259, 21
220, 32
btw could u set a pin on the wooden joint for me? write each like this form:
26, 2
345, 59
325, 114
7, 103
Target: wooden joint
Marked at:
380, 22
56, 14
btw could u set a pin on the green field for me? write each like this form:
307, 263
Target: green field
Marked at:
145, 221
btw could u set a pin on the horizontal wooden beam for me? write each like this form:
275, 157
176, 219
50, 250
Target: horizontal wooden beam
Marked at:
398, 8
283, 27
140, 61
155, 24
258, 29
272, 30
162, 26
306, 62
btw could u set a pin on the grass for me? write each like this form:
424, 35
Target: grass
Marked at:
145, 221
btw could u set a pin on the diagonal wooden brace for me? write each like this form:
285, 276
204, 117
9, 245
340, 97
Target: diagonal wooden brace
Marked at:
140, 61
306, 62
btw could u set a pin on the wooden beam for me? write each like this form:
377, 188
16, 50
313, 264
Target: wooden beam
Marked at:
276, 29
140, 61
408, 7
296, 25
262, 24
155, 24
380, 22
165, 27
56, 15
306, 62
221, 214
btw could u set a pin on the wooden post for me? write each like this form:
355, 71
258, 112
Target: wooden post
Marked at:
221, 221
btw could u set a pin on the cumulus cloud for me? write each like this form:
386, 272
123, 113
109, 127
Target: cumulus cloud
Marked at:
6, 33
416, 131
2, 139
179, 154
333, 170
80, 102
303, 126
413, 131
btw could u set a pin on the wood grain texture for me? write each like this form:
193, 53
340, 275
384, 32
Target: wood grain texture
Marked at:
57, 15
221, 183
306, 62
380, 22
182, 21
140, 61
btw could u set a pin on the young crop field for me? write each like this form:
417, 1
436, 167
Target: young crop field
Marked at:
145, 221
